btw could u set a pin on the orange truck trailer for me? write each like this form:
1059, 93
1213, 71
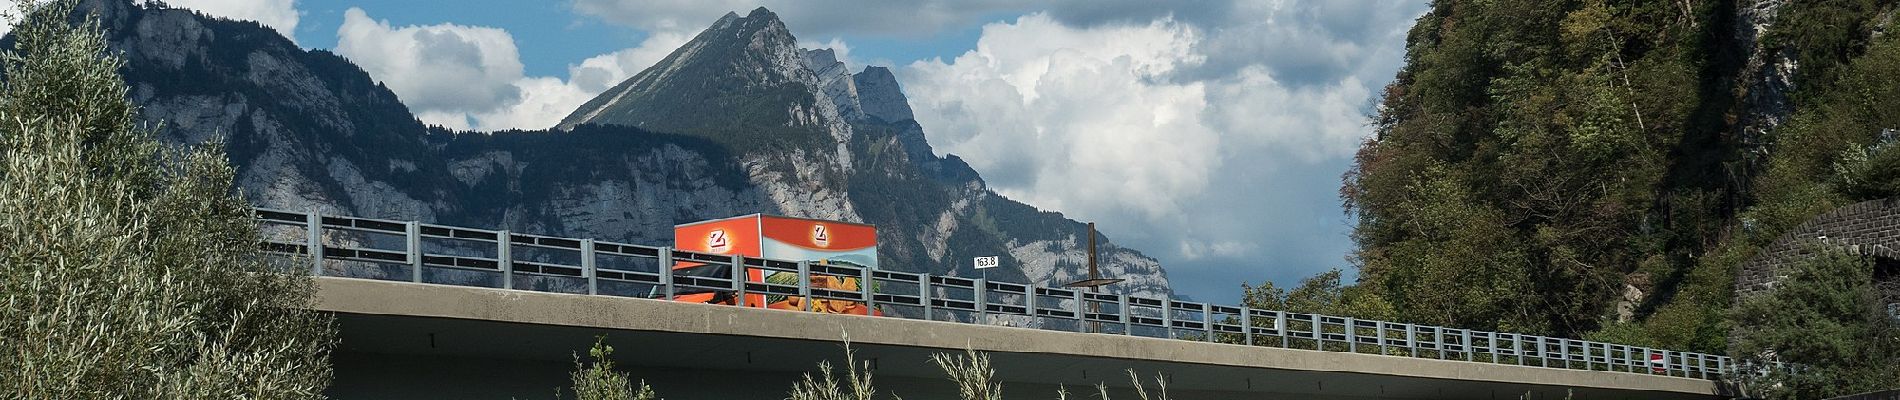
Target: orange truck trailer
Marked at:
780, 238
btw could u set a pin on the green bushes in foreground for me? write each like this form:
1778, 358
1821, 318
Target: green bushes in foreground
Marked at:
131, 270
971, 371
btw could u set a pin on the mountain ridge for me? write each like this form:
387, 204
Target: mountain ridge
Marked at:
310, 131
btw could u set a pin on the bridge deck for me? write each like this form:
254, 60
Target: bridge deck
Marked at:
386, 322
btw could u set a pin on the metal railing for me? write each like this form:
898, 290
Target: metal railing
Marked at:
418, 252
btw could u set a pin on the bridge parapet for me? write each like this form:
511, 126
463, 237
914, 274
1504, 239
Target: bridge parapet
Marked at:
426, 253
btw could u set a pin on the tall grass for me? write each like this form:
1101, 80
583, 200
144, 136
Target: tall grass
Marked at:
975, 379
857, 384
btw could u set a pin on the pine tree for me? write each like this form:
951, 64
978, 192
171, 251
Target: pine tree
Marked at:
129, 270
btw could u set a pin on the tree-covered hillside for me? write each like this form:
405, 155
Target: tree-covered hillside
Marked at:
1600, 168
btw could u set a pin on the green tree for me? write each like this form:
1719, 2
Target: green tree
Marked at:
1828, 321
1322, 293
599, 381
1535, 160
132, 271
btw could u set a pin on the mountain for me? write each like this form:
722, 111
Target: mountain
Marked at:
737, 121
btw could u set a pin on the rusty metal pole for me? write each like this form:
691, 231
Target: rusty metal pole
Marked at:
1094, 273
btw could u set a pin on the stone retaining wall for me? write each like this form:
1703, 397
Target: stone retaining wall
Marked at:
1870, 228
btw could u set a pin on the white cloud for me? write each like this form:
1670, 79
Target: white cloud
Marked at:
470, 78
1216, 143
1061, 116
435, 68
839, 49
280, 15
601, 72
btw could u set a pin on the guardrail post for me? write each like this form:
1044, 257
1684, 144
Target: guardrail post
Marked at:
1352, 335
1029, 302
1517, 347
1563, 352
982, 293
1466, 347
1127, 315
313, 241
804, 283
1207, 320
869, 287
1279, 326
665, 265
412, 232
1246, 325
1491, 342
1411, 338
505, 258
1081, 311
1438, 338
1167, 316
1380, 327
1319, 332
739, 278
924, 287
587, 266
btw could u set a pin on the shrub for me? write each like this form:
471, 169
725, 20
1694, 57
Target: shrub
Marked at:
131, 270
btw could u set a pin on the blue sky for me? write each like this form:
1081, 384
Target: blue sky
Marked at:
1208, 134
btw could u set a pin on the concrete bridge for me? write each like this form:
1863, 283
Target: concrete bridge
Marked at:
425, 314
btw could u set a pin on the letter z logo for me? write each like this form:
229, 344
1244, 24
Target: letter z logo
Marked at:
820, 235
716, 241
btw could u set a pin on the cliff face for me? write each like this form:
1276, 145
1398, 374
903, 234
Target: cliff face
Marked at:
737, 121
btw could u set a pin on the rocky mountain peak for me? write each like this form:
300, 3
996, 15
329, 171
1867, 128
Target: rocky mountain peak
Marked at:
835, 82
716, 83
879, 95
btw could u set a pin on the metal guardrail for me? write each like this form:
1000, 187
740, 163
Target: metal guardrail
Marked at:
607, 268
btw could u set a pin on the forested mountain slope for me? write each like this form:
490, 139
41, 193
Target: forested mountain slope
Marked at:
1601, 168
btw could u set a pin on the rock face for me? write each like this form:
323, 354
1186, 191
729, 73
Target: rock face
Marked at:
879, 96
1767, 77
737, 121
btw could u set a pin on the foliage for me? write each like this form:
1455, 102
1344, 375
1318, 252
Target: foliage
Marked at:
1829, 322
857, 381
1534, 160
132, 271
1322, 293
975, 379
599, 381
1135, 379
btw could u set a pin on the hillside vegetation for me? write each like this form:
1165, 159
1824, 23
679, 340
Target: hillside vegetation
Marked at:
1594, 168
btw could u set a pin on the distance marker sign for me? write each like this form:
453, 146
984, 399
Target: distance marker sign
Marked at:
987, 262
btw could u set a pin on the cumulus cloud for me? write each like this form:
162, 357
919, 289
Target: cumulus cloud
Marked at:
1212, 140
471, 78
280, 15
1056, 108
436, 69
